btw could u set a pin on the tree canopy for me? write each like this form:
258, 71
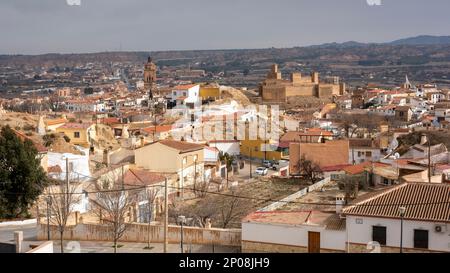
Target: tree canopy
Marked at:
22, 179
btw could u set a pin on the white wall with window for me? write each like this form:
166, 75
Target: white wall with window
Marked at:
416, 234
361, 155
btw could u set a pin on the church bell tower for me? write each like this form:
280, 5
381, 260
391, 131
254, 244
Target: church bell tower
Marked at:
150, 77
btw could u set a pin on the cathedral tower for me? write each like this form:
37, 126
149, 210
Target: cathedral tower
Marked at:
150, 77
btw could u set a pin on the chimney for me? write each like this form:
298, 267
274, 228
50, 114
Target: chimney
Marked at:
423, 139
142, 141
340, 202
446, 178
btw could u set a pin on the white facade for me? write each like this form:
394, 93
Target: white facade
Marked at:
211, 155
435, 97
230, 147
292, 235
360, 232
85, 107
442, 114
189, 95
361, 155
78, 165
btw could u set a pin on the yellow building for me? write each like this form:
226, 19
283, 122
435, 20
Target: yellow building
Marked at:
78, 133
261, 149
209, 92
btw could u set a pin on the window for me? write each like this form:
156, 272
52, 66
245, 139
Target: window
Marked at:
420, 238
76, 134
401, 114
369, 154
184, 94
379, 234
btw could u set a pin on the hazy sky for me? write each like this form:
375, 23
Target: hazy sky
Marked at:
43, 26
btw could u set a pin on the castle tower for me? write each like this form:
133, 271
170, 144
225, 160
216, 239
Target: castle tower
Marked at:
150, 77
315, 77
274, 74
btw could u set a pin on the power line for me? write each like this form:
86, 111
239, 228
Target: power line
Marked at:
248, 197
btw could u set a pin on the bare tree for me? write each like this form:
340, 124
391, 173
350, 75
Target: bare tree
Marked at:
351, 185
113, 205
62, 201
309, 169
201, 188
200, 212
151, 195
232, 208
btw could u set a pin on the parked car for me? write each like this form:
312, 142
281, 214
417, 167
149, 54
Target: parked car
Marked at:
267, 163
261, 171
274, 165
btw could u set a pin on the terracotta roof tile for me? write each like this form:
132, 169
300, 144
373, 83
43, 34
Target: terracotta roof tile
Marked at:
137, 177
182, 146
184, 87
423, 202
39, 147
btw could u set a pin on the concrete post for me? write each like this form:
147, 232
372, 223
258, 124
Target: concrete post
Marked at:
77, 217
18, 239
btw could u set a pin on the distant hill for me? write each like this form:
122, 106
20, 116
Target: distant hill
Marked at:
412, 41
423, 40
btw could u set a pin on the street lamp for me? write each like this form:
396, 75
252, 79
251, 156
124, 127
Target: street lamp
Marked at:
182, 221
401, 211
49, 203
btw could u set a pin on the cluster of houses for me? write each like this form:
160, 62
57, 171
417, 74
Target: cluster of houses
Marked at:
424, 103
100, 135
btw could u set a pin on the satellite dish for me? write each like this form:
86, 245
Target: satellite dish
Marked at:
397, 155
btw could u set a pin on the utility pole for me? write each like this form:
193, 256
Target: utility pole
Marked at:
265, 141
226, 166
250, 149
429, 160
67, 185
166, 215
123, 181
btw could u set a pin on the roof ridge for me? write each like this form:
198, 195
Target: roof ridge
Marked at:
377, 195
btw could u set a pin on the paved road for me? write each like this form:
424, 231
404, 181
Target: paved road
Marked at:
245, 172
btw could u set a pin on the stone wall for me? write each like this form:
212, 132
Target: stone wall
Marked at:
362, 248
257, 247
140, 233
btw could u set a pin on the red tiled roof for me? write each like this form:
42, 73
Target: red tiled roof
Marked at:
360, 168
73, 125
182, 146
109, 120
327, 219
137, 177
334, 168
50, 122
39, 147
158, 129
184, 87
423, 202
54, 169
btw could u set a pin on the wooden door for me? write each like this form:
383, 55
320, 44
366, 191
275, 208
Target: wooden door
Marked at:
313, 242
